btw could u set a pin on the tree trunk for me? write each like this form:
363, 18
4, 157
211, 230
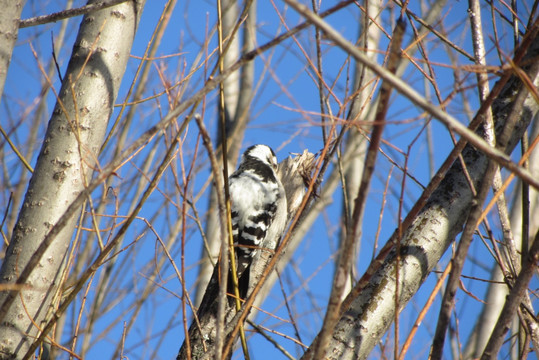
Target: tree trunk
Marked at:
9, 28
371, 311
64, 167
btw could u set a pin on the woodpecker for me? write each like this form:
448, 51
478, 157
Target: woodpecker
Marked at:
258, 208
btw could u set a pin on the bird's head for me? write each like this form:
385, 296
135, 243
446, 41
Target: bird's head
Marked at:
262, 153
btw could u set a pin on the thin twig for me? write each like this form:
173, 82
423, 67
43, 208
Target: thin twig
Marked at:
512, 302
398, 84
44, 19
346, 255
424, 312
271, 340
16, 151
473, 221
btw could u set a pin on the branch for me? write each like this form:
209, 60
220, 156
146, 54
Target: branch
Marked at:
346, 255
370, 307
513, 301
65, 14
477, 208
401, 86
11, 12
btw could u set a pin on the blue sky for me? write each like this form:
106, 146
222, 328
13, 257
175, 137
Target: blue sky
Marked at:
276, 121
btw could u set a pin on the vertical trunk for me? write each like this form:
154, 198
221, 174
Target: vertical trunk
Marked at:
359, 111
237, 97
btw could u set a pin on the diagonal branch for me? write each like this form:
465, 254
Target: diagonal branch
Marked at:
370, 309
452, 124
346, 255
65, 14
513, 301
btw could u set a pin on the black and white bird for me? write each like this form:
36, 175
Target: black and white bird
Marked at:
258, 208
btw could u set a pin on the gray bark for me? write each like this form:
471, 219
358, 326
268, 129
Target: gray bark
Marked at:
371, 313
64, 167
39, 115
9, 29
496, 293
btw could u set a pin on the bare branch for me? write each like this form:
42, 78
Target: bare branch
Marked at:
429, 235
346, 255
65, 14
401, 86
512, 302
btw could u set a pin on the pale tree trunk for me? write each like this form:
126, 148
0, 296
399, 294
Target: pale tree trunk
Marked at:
231, 84
360, 111
497, 292
353, 153
38, 116
237, 89
35, 271
9, 28
369, 310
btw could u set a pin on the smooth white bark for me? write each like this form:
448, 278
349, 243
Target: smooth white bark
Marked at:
64, 167
9, 29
